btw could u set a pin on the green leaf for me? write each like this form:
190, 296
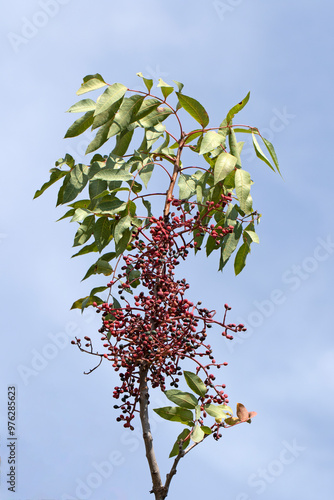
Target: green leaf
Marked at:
80, 204
91, 82
62, 188
96, 188
100, 267
158, 115
197, 412
232, 420
249, 130
110, 207
234, 148
77, 181
229, 181
195, 383
179, 85
69, 213
102, 232
206, 429
260, 154
113, 174
85, 231
242, 189
238, 107
148, 207
82, 106
145, 172
240, 259
223, 131
123, 243
153, 134
180, 398
165, 88
100, 138
56, 174
224, 165
191, 136
98, 289
68, 160
272, 153
230, 243
147, 106
133, 275
125, 114
187, 186
210, 245
148, 82
253, 236
80, 214
211, 141
122, 142
106, 116
215, 411
121, 226
109, 97
108, 256
176, 448
197, 434
226, 409
87, 249
175, 414
86, 301
194, 108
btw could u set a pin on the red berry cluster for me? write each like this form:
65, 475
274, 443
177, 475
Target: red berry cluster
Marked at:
161, 327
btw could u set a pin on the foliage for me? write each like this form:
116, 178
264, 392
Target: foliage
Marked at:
147, 336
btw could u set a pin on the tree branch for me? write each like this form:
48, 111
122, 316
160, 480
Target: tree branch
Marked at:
176, 171
158, 489
172, 472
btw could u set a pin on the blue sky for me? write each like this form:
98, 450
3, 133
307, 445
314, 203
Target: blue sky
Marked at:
69, 444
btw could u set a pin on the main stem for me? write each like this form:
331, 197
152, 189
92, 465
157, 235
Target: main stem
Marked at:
158, 488
160, 491
177, 170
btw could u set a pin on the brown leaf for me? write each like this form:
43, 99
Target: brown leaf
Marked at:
243, 414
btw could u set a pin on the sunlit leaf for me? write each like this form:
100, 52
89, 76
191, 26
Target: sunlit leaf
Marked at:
194, 108
148, 81
91, 82
272, 153
195, 383
211, 141
82, 106
224, 165
238, 107
259, 153
180, 398
165, 88
197, 434
175, 414
242, 189
109, 97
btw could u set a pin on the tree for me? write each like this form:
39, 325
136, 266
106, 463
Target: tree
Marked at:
149, 328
